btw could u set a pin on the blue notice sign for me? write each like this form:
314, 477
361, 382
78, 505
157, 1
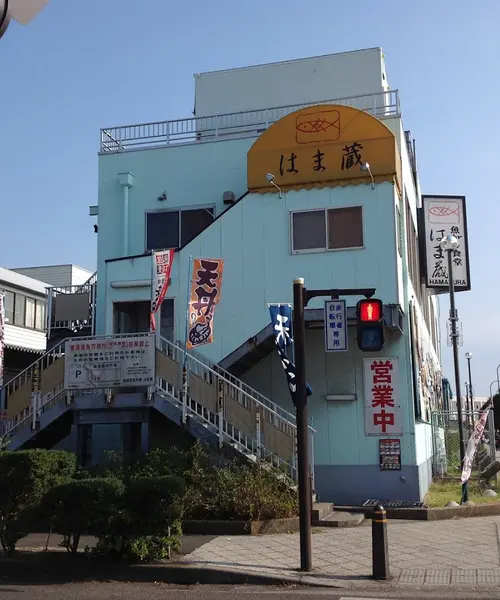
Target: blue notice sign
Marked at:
335, 326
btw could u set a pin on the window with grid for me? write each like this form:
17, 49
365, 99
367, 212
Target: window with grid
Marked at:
9, 307
327, 229
176, 228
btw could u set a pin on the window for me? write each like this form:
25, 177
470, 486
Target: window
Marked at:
30, 313
9, 307
167, 319
327, 229
40, 315
19, 309
176, 228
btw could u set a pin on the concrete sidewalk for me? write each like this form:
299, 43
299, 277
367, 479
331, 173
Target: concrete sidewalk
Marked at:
461, 553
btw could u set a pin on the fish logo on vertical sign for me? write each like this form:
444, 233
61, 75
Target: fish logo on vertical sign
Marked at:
204, 297
441, 216
162, 267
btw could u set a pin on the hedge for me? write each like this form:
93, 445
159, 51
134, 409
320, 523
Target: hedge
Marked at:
87, 506
25, 477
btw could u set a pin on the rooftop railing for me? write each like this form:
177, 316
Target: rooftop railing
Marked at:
382, 105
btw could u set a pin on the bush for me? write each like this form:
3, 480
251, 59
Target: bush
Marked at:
25, 477
86, 506
152, 504
236, 491
149, 520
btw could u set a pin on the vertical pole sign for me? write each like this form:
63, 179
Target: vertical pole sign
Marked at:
441, 216
336, 326
162, 267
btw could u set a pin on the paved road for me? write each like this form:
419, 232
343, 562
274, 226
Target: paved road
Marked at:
124, 591
127, 591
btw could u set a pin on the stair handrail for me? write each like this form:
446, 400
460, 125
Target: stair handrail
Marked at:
256, 396
24, 373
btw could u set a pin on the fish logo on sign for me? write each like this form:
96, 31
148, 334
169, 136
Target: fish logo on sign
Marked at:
444, 212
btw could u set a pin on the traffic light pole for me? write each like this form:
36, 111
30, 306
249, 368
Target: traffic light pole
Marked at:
301, 297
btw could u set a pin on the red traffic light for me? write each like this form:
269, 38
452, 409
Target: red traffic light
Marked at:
370, 311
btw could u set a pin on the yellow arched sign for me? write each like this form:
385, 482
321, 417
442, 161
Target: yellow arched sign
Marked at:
323, 146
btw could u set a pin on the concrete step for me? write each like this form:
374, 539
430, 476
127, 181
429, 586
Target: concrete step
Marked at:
320, 510
340, 519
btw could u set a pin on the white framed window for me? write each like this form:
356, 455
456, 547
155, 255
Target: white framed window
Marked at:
30, 313
326, 229
176, 228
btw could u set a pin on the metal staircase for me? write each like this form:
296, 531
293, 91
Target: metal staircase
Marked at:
217, 403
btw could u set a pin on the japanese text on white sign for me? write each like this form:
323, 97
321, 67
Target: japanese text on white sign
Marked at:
442, 216
382, 396
335, 326
110, 362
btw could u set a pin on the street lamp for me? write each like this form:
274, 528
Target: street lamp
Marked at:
449, 244
491, 385
22, 11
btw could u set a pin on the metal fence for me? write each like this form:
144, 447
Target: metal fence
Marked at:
446, 442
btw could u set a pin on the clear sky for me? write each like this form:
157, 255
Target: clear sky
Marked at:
83, 65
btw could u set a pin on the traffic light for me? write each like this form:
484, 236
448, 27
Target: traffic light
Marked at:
370, 325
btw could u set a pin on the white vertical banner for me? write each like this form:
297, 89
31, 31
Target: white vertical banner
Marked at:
473, 443
162, 267
442, 216
335, 326
382, 396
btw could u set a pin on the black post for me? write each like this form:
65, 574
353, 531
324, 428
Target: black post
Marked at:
454, 343
380, 544
299, 334
471, 391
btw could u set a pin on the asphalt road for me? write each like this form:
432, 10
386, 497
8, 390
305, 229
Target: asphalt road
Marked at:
127, 591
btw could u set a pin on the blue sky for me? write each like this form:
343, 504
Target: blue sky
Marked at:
80, 66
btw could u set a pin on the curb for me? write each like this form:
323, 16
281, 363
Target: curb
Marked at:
185, 574
44, 569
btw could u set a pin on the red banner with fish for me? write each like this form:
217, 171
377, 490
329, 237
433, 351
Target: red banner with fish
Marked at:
204, 296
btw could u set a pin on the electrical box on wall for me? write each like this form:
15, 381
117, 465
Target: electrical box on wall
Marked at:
228, 197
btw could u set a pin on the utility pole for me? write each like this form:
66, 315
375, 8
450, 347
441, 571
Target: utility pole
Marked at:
449, 245
301, 297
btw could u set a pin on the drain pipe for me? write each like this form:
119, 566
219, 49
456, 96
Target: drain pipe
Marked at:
126, 181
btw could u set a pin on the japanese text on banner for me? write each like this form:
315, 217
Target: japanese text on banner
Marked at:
162, 267
382, 411
204, 297
473, 442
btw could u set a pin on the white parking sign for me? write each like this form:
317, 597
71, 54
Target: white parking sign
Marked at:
335, 326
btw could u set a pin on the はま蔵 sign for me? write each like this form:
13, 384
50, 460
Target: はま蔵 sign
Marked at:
441, 216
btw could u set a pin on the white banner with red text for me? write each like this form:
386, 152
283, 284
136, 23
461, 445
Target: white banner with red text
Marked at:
382, 396
162, 267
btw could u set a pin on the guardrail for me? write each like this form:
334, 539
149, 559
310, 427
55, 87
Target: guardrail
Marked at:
231, 125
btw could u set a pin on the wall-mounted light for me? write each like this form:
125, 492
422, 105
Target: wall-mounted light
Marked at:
270, 177
163, 197
365, 167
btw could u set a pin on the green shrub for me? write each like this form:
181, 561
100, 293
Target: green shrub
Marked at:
25, 477
152, 504
148, 525
86, 506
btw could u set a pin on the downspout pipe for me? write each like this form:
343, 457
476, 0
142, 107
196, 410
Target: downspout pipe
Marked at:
126, 181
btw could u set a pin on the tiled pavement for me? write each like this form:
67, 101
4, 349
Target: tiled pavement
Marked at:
461, 552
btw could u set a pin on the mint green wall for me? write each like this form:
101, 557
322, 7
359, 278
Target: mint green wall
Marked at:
190, 174
340, 426
254, 239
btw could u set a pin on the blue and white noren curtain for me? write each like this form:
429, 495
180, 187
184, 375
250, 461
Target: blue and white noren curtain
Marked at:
281, 319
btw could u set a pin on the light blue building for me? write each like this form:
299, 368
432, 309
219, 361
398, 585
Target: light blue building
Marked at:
271, 176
